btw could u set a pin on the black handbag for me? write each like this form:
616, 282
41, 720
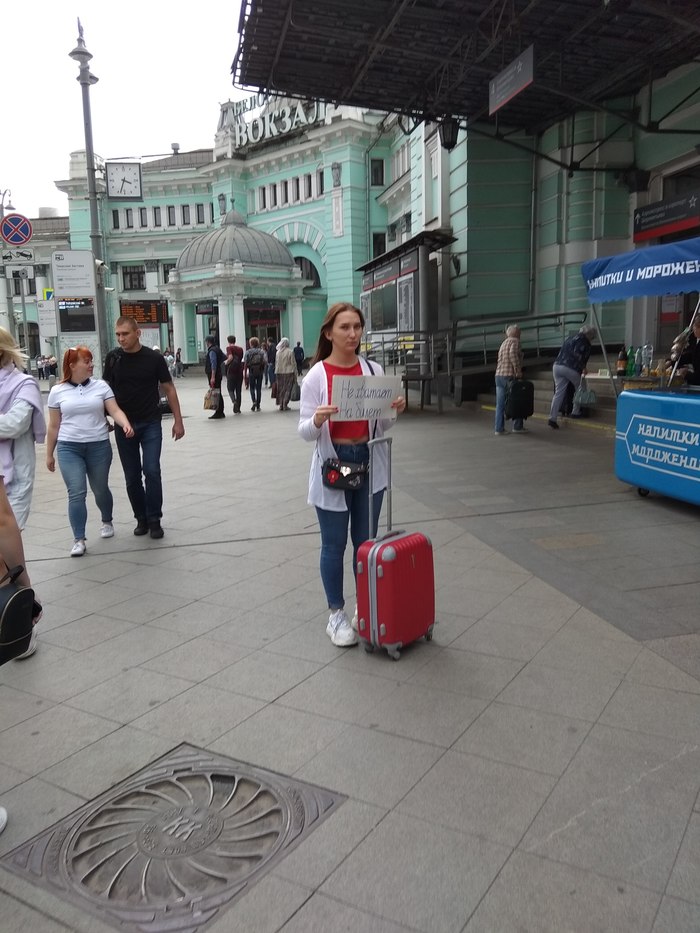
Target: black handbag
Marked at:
295, 394
17, 611
338, 474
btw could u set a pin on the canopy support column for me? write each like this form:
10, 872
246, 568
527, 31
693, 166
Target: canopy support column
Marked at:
611, 375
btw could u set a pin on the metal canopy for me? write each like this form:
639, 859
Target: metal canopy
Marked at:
430, 58
433, 239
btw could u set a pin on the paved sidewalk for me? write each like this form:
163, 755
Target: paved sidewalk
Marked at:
534, 768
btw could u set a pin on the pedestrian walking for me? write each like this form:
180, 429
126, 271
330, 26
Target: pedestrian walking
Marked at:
253, 369
508, 368
337, 354
22, 426
79, 434
12, 555
299, 357
271, 359
135, 374
213, 370
285, 372
567, 370
234, 372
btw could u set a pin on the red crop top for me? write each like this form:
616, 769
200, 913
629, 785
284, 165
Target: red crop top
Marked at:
345, 429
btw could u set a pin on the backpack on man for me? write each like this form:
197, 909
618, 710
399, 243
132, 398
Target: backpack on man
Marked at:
256, 362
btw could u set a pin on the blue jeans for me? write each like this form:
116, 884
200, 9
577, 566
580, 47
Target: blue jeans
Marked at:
501, 384
147, 441
80, 463
255, 385
334, 529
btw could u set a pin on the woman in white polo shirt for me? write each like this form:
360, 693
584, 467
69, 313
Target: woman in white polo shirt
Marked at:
79, 433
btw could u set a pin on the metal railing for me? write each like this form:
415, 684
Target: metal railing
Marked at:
466, 347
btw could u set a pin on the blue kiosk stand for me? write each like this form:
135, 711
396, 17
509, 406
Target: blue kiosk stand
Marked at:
657, 439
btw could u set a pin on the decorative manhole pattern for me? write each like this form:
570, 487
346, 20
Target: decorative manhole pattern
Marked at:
174, 844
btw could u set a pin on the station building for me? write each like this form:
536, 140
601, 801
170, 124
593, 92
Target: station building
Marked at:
300, 204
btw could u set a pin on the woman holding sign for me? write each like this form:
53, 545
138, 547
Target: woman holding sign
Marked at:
345, 441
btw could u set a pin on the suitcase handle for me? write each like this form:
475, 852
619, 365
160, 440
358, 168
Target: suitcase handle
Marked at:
370, 497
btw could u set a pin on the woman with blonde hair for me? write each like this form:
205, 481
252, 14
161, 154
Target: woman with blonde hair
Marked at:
79, 432
22, 425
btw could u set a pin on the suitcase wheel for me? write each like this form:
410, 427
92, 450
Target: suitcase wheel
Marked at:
393, 653
368, 646
429, 633
643, 492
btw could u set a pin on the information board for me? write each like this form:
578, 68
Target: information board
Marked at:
145, 312
76, 314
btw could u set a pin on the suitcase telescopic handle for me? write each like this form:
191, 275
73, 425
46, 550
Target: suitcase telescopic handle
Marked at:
370, 496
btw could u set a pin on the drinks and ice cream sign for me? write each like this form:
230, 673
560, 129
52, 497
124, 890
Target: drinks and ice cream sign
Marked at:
671, 447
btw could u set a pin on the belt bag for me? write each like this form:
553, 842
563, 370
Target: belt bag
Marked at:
339, 474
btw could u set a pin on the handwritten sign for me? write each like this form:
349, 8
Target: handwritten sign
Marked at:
365, 398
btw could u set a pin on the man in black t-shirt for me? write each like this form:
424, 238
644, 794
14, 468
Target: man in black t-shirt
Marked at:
136, 374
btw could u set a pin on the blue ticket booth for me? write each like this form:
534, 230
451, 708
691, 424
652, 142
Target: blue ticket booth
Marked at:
657, 433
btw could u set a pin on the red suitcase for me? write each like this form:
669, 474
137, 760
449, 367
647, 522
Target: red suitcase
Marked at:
395, 583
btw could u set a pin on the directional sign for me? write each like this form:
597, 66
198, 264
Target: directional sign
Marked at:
511, 81
16, 229
25, 254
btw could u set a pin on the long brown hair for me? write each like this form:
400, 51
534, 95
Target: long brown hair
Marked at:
324, 347
72, 355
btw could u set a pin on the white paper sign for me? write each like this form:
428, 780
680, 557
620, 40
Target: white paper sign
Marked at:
365, 398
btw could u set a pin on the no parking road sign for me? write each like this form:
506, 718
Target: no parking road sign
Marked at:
16, 230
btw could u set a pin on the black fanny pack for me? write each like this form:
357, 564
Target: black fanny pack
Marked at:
340, 474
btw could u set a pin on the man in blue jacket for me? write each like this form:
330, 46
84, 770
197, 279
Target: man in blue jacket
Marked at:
568, 368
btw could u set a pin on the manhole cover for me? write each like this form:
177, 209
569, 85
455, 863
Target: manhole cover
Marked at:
175, 843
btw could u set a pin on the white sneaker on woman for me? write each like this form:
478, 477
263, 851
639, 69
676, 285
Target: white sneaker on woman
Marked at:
78, 548
339, 630
107, 530
353, 621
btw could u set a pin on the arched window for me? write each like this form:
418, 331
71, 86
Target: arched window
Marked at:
308, 270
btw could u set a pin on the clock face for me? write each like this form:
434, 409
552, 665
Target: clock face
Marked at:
123, 180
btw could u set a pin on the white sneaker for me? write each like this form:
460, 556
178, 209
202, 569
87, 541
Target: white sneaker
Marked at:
31, 649
339, 631
353, 621
107, 530
78, 548
3, 818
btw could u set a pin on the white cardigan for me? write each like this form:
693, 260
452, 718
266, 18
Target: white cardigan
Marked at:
314, 392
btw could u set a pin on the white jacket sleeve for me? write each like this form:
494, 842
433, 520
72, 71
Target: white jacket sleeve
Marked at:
17, 420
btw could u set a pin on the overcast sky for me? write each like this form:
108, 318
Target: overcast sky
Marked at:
163, 69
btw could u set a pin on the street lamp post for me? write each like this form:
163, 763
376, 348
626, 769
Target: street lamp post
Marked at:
81, 55
8, 287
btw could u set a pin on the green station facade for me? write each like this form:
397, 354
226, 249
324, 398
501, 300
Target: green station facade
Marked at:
300, 204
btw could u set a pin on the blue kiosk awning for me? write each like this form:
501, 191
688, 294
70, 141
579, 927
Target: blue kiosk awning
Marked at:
658, 270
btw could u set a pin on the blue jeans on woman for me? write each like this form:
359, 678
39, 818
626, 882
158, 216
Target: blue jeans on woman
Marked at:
147, 442
334, 528
79, 464
501, 385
